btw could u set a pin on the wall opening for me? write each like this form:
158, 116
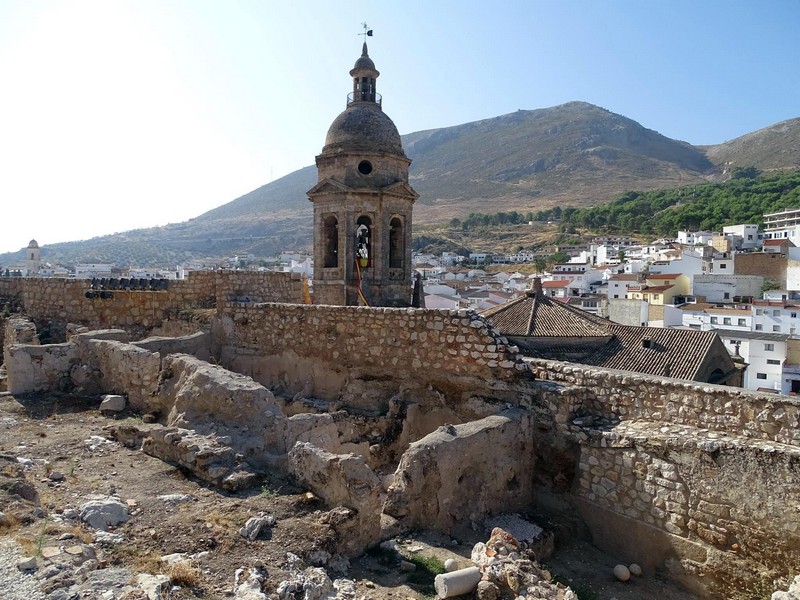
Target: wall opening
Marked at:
364, 241
396, 243
330, 243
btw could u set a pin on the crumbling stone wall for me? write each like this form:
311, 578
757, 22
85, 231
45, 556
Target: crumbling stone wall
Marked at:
59, 301
362, 355
720, 513
699, 478
258, 286
449, 480
631, 396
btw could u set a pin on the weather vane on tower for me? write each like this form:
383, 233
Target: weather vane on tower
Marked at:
367, 32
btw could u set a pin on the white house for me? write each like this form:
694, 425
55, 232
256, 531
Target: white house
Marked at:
727, 288
705, 316
618, 285
748, 232
764, 353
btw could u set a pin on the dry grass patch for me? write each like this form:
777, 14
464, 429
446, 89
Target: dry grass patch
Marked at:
222, 520
183, 573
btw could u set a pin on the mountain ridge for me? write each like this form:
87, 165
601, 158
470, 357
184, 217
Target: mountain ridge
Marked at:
574, 154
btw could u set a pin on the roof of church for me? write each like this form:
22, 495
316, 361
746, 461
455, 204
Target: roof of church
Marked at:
364, 61
653, 350
363, 126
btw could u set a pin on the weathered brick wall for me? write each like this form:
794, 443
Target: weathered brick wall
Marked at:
328, 351
632, 396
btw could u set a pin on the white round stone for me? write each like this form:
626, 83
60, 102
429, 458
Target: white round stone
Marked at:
450, 565
622, 573
635, 570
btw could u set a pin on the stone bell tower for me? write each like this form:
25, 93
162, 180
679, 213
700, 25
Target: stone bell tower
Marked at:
362, 204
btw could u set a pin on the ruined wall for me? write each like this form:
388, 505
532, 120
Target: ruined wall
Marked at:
59, 301
33, 368
720, 514
632, 396
362, 354
264, 286
699, 479
450, 481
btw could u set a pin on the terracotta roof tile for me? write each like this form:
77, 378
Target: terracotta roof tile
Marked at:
556, 284
680, 353
672, 352
540, 316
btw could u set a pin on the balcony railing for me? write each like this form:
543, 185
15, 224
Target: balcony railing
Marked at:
354, 97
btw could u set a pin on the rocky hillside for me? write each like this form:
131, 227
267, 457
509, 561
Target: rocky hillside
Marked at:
576, 154
773, 148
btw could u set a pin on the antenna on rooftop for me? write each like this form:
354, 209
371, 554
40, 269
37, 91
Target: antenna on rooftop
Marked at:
367, 31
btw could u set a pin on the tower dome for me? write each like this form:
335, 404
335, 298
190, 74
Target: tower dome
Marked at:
363, 125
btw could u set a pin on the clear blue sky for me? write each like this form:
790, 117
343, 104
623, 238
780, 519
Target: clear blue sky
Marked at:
120, 114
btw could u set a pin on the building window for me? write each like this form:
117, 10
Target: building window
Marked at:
726, 296
759, 311
741, 322
734, 341
769, 347
776, 313
794, 315
723, 266
761, 375
776, 328
773, 361
726, 320
713, 320
759, 327
616, 295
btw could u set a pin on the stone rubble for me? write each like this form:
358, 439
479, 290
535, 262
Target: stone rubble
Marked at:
255, 526
793, 592
507, 572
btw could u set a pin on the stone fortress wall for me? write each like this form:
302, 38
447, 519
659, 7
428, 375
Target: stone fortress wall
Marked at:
64, 300
359, 355
699, 480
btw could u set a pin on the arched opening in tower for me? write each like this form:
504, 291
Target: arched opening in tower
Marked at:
363, 241
396, 243
330, 235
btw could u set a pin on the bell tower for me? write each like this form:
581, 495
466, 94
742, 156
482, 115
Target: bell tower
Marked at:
362, 203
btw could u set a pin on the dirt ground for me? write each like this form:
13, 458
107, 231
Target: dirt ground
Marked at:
60, 434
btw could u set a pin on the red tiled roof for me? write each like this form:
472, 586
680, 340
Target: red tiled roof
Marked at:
672, 352
624, 277
541, 321
556, 284
536, 315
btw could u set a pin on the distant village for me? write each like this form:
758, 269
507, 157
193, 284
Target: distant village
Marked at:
742, 282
